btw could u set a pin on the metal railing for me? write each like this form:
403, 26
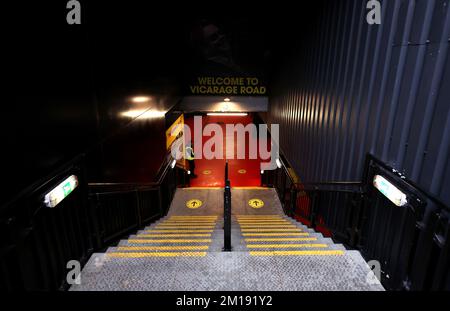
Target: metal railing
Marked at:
120, 208
38, 242
410, 242
227, 213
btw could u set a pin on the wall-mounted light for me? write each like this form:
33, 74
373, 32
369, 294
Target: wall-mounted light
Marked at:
226, 99
140, 99
60, 192
278, 162
389, 190
189, 172
174, 162
262, 172
227, 114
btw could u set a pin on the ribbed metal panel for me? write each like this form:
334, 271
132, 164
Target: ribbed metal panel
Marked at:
353, 88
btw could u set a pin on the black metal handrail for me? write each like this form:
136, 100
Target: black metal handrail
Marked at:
227, 213
412, 242
134, 204
38, 242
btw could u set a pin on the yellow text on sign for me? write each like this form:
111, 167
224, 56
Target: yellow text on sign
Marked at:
194, 203
256, 203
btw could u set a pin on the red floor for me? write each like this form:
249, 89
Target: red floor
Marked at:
241, 173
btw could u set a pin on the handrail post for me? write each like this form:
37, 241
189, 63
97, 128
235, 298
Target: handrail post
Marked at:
226, 172
293, 201
227, 217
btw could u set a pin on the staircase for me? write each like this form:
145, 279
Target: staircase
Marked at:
183, 251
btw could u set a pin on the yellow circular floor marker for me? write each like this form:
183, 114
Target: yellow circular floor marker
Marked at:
194, 203
242, 171
207, 172
256, 203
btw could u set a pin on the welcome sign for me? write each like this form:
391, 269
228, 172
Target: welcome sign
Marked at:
230, 85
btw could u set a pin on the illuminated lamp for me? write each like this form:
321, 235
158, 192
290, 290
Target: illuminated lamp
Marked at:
389, 190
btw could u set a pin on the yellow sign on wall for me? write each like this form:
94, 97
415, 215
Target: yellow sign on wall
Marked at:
177, 128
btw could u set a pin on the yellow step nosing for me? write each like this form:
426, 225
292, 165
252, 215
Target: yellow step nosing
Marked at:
304, 245
276, 234
185, 227
192, 217
261, 218
173, 235
258, 215
184, 224
179, 231
174, 247
208, 228
268, 226
298, 253
157, 254
189, 221
279, 239
270, 230
264, 222
177, 241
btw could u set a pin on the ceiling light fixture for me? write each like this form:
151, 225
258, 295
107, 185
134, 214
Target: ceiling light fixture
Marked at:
228, 114
143, 114
140, 99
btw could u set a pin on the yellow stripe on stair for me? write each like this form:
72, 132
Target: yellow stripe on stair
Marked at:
195, 224
192, 226
304, 245
270, 226
163, 248
192, 217
170, 241
157, 254
187, 235
179, 231
270, 230
188, 222
259, 215
276, 234
261, 219
298, 253
183, 227
264, 222
279, 239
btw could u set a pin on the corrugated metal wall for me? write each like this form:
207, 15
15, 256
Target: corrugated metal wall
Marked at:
353, 88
